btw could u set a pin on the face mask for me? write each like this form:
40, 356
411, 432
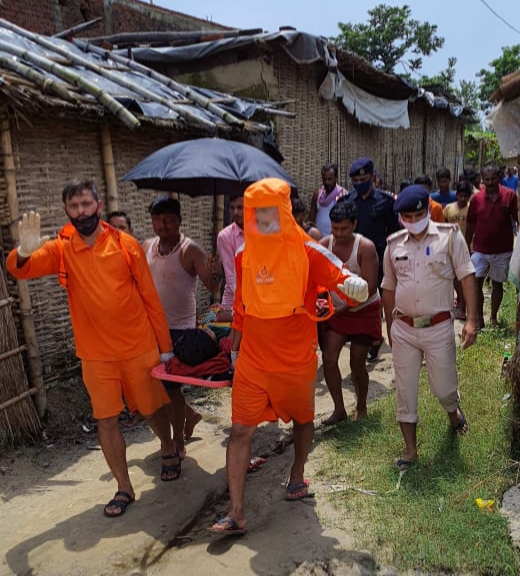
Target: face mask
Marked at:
417, 227
86, 226
362, 187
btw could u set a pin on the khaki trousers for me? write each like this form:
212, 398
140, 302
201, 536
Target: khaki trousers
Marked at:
437, 344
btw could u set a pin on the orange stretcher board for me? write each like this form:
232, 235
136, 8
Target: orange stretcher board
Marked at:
160, 373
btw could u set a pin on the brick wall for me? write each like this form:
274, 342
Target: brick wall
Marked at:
52, 16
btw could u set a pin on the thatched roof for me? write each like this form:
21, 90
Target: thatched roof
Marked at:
505, 117
509, 88
361, 73
303, 48
38, 71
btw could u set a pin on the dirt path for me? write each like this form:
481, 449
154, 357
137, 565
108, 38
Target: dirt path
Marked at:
51, 501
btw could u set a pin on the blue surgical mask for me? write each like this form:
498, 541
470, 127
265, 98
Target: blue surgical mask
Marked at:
362, 187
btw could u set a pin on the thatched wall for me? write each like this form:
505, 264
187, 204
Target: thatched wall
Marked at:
324, 132
47, 154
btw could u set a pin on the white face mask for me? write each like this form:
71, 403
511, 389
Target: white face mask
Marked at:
416, 227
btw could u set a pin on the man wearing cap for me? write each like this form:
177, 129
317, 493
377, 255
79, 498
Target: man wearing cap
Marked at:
420, 263
376, 218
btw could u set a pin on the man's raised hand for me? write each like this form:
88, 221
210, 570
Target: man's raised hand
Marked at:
29, 234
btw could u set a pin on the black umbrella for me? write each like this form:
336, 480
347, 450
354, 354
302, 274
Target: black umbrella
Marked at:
206, 167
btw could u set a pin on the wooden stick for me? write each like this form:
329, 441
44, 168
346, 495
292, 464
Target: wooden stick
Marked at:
26, 317
19, 398
109, 169
79, 28
172, 37
6, 301
10, 353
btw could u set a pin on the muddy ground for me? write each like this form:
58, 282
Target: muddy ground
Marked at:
52, 497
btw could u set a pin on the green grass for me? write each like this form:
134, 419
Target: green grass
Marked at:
432, 522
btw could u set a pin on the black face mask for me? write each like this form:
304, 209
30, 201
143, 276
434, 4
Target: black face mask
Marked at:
86, 226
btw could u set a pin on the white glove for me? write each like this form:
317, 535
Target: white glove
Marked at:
355, 288
29, 234
234, 356
165, 356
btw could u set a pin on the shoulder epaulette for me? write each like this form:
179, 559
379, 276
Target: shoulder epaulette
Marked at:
395, 235
387, 193
447, 225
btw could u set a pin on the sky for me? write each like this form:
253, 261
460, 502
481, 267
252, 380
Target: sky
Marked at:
473, 34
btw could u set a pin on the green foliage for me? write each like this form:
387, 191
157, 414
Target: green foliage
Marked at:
444, 79
431, 523
468, 94
481, 148
505, 64
389, 36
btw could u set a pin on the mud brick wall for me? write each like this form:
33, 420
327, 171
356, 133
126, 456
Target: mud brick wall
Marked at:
52, 16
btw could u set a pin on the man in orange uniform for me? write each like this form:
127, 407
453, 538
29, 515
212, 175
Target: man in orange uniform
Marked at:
278, 275
107, 279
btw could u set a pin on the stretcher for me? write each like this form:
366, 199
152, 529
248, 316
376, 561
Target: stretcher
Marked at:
160, 373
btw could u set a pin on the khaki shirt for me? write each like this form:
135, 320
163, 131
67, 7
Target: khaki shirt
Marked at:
421, 272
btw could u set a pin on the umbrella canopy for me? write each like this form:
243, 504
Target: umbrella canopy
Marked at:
206, 167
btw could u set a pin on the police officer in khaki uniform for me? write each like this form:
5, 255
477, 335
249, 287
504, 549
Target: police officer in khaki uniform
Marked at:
420, 263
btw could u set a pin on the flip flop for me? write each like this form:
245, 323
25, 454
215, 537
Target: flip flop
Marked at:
403, 464
232, 530
167, 468
121, 504
459, 428
298, 491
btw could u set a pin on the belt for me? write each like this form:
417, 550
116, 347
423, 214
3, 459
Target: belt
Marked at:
423, 321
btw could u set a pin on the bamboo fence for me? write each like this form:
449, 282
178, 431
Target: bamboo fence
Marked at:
18, 417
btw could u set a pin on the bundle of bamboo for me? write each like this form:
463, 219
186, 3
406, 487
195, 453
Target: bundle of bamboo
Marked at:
18, 417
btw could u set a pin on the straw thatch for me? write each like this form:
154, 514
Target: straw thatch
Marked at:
18, 417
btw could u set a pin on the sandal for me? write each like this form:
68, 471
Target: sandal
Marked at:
462, 427
298, 491
121, 504
170, 472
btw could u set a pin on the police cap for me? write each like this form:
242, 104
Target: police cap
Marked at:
361, 166
413, 198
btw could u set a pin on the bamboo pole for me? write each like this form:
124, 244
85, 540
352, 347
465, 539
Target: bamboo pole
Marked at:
12, 352
73, 78
129, 84
194, 37
26, 316
78, 28
19, 398
46, 84
109, 169
187, 92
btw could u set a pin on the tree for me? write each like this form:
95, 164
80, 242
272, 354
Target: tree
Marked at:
505, 64
389, 36
444, 79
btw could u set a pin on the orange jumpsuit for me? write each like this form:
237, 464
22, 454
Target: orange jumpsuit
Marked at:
276, 370
115, 312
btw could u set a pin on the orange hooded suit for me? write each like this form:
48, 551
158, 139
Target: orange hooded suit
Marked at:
279, 271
